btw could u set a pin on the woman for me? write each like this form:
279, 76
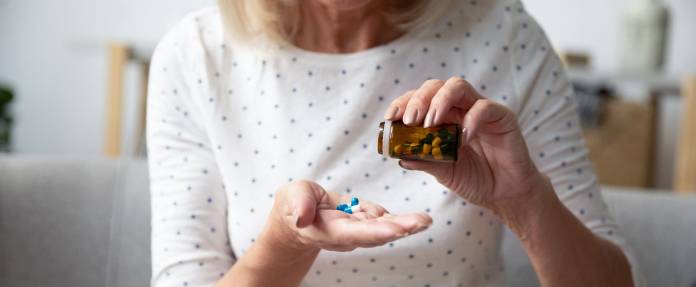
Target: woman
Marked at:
263, 117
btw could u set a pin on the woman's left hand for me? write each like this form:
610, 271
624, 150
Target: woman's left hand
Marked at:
493, 168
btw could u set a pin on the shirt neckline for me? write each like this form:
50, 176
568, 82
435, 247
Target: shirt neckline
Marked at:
392, 48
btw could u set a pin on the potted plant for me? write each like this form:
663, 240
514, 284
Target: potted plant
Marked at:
6, 97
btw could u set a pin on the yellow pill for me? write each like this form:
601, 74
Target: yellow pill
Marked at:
407, 151
398, 150
437, 153
426, 148
437, 141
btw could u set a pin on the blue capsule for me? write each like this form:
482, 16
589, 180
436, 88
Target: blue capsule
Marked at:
348, 208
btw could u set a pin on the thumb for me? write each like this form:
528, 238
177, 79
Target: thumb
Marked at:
303, 199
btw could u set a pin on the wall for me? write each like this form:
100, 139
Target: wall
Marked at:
594, 26
52, 52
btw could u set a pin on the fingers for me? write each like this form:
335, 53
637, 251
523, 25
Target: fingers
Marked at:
417, 106
328, 230
363, 216
311, 210
437, 169
372, 209
398, 106
456, 92
412, 223
303, 197
489, 117
378, 231
432, 102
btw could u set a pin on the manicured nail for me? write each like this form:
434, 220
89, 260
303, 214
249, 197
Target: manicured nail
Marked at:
437, 118
429, 119
410, 118
433, 120
391, 113
465, 135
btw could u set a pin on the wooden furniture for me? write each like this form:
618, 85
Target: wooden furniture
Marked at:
685, 159
622, 147
636, 163
119, 57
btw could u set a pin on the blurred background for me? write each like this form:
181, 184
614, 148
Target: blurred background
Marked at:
72, 92
76, 71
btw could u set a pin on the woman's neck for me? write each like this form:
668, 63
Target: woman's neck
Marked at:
330, 30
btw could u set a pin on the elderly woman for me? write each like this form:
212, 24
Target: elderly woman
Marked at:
263, 117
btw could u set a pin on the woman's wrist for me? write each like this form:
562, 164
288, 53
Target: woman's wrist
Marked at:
276, 248
270, 255
281, 238
523, 213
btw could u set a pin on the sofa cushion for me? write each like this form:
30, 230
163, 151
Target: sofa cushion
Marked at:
659, 225
73, 222
54, 217
661, 228
130, 234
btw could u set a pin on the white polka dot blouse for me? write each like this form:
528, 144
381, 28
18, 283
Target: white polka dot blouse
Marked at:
229, 124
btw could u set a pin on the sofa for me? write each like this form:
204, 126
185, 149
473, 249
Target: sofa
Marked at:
85, 222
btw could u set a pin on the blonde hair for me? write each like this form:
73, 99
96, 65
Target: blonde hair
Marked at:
278, 20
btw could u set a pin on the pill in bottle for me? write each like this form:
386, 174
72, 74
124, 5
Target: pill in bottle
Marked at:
397, 140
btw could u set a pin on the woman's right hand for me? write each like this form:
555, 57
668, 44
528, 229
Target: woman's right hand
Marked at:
303, 221
304, 217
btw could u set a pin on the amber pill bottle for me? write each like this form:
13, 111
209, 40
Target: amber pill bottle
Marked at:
397, 140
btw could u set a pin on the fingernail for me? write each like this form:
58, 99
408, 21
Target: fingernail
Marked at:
436, 118
429, 120
296, 218
410, 118
465, 135
391, 113
402, 166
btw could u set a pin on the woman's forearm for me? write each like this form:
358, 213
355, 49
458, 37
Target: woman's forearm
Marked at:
561, 249
270, 262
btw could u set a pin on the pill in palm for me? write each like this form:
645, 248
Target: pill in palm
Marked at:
354, 201
342, 207
352, 208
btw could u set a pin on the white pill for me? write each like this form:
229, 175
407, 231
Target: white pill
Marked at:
355, 208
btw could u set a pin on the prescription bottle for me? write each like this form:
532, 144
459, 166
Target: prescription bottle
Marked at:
398, 140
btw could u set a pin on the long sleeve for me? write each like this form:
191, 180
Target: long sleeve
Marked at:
190, 245
551, 126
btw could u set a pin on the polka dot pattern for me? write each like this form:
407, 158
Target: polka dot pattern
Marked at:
228, 126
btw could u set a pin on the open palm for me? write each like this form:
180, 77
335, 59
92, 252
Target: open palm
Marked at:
306, 216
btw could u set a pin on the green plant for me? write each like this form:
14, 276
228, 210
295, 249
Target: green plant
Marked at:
6, 97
